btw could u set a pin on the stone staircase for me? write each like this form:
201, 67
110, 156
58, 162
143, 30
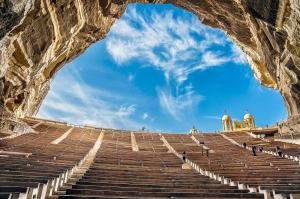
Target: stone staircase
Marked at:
119, 171
77, 174
123, 164
80, 170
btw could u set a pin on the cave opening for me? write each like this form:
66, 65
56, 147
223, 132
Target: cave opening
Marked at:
160, 69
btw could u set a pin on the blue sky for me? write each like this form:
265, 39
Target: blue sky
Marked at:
161, 69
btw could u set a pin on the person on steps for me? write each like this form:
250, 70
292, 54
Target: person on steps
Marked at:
244, 145
184, 156
254, 150
279, 151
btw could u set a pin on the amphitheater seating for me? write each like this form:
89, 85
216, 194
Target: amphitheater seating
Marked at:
263, 171
29, 161
2, 135
32, 165
288, 136
268, 144
118, 171
32, 122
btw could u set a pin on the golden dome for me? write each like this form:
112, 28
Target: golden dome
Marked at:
226, 118
248, 116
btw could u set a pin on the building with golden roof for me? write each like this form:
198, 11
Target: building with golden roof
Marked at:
229, 125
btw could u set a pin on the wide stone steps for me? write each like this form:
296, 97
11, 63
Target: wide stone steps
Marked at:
71, 181
133, 194
117, 164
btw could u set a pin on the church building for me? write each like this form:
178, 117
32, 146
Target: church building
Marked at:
229, 125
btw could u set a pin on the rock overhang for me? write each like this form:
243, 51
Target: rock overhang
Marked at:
38, 37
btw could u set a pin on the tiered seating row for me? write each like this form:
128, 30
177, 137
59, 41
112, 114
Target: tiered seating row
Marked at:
153, 171
268, 144
2, 135
270, 172
33, 166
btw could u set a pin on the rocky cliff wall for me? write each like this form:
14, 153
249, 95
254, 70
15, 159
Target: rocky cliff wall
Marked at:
38, 37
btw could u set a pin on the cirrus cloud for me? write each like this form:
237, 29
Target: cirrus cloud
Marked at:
176, 45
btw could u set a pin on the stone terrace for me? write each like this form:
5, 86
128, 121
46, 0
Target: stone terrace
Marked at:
269, 144
56, 160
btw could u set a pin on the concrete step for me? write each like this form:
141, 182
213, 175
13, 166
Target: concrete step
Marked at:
81, 169
65, 187
53, 197
59, 193
77, 176
73, 180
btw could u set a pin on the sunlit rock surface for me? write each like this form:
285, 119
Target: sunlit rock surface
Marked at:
39, 36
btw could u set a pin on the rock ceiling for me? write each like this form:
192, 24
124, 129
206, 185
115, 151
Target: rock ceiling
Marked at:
38, 37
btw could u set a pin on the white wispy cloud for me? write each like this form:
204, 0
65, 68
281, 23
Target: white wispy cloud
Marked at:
145, 116
177, 45
212, 117
131, 77
210, 58
72, 100
178, 104
238, 56
126, 111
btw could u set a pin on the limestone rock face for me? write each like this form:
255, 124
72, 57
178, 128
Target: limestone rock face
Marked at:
37, 37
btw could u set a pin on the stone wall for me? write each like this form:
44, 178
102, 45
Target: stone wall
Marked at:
11, 125
38, 37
